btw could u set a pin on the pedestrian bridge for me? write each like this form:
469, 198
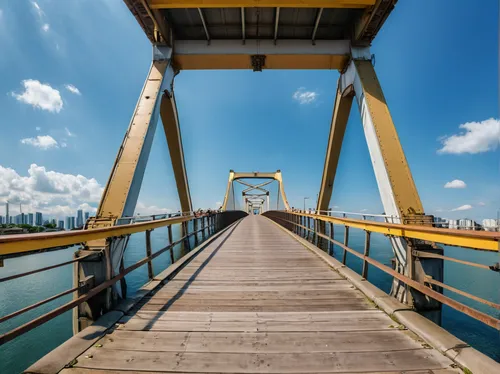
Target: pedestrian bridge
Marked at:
255, 299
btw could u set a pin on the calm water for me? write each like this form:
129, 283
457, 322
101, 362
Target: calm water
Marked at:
23, 351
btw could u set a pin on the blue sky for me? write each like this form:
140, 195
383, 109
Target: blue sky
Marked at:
72, 71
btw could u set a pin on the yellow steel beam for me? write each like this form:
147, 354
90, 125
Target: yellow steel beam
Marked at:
173, 4
170, 120
342, 108
243, 61
228, 189
124, 173
399, 174
488, 241
13, 244
279, 178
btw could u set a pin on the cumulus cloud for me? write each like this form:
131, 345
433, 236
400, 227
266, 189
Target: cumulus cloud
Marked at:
40, 95
43, 142
72, 89
49, 192
305, 97
456, 183
45, 27
477, 137
462, 207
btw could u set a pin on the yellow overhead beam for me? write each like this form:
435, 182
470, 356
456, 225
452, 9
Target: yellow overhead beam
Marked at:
243, 61
176, 4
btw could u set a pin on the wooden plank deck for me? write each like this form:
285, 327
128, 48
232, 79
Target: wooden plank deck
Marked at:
257, 301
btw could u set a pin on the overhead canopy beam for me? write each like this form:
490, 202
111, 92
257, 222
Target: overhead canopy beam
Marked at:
287, 54
204, 24
176, 4
243, 24
316, 24
276, 22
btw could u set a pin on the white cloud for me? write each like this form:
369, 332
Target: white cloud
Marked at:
148, 210
364, 210
50, 192
38, 128
45, 27
481, 203
218, 204
457, 183
64, 144
43, 142
69, 133
72, 89
478, 137
37, 9
305, 97
462, 207
336, 207
40, 95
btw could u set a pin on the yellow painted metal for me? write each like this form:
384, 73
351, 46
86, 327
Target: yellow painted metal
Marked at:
13, 244
403, 186
342, 108
228, 189
172, 4
363, 23
483, 240
277, 176
243, 61
170, 120
117, 189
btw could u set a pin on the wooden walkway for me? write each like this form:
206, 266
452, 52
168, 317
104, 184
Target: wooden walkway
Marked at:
257, 301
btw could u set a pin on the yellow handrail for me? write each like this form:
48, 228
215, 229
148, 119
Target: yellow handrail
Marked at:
488, 241
14, 244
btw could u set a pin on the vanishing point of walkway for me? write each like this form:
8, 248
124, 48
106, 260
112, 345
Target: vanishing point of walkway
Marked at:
257, 301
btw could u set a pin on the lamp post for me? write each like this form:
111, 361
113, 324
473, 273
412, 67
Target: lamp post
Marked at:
305, 198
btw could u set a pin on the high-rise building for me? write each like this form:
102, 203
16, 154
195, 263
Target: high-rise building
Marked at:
24, 218
68, 223
7, 218
53, 221
86, 216
72, 222
30, 219
1, 220
38, 219
19, 219
11, 220
60, 225
79, 218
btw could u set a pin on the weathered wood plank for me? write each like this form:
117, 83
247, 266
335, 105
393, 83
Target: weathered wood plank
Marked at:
216, 362
272, 342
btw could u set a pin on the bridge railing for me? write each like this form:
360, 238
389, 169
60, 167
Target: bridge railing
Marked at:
204, 225
313, 228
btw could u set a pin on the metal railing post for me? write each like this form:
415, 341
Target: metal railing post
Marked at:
149, 252
331, 247
346, 243
364, 272
170, 241
195, 229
